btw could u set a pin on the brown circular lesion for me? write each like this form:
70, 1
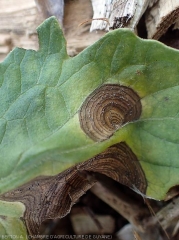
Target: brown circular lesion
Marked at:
107, 109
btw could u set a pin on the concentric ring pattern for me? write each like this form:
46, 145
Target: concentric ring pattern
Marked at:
107, 109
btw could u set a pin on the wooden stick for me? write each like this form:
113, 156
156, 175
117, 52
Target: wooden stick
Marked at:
127, 207
161, 16
121, 13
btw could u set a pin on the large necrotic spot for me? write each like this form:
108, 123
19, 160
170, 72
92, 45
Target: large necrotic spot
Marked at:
119, 163
107, 109
53, 196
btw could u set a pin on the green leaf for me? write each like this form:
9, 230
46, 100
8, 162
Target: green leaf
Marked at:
42, 94
41, 97
10, 224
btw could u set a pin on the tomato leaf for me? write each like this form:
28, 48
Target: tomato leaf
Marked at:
58, 111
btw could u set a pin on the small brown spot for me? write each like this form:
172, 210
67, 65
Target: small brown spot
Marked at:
138, 72
3, 217
166, 99
107, 109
